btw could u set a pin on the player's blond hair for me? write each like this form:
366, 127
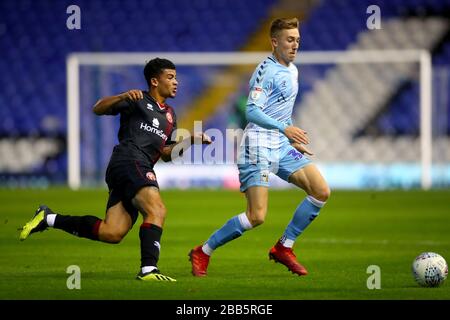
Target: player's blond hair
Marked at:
282, 24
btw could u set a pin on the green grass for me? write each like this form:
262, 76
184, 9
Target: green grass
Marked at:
353, 231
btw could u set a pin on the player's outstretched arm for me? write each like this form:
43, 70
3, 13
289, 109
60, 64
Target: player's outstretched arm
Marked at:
104, 105
176, 150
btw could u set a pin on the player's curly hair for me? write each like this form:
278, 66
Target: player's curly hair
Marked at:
154, 67
281, 24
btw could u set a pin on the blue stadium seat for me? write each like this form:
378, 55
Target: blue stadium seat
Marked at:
34, 44
33, 57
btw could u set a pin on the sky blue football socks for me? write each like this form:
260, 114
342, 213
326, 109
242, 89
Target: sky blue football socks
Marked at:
233, 229
305, 213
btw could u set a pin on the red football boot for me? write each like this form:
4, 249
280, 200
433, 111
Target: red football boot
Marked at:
286, 256
199, 261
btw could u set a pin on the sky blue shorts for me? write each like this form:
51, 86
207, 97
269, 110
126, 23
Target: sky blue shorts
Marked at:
255, 163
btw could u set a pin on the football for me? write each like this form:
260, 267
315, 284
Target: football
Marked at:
429, 269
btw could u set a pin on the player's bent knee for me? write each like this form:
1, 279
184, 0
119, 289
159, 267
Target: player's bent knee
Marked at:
116, 239
150, 207
111, 234
256, 217
158, 210
322, 194
256, 222
112, 237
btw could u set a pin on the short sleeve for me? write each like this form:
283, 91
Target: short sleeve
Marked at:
259, 93
171, 139
120, 107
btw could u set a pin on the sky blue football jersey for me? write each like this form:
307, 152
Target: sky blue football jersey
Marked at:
273, 88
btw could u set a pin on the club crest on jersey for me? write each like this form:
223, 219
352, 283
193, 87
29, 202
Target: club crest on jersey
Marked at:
169, 117
264, 176
256, 92
149, 107
155, 123
150, 176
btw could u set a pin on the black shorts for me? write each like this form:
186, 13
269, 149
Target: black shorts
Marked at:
124, 179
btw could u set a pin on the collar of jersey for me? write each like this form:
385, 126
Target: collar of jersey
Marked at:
277, 62
164, 106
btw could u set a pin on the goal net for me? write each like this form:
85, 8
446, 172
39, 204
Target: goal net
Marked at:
369, 116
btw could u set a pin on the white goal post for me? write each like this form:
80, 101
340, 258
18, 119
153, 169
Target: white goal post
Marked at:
75, 60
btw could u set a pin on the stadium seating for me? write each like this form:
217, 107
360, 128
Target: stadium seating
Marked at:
34, 42
344, 91
395, 106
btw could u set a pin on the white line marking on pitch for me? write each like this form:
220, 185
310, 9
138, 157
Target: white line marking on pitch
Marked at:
376, 242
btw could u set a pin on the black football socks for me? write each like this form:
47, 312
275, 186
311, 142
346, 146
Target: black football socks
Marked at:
81, 226
150, 236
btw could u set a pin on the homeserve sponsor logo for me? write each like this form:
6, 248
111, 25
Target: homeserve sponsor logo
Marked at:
153, 130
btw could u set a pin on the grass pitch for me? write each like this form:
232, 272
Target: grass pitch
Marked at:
354, 230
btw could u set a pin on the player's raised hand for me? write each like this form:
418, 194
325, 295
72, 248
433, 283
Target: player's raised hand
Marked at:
201, 138
206, 139
133, 95
302, 148
296, 134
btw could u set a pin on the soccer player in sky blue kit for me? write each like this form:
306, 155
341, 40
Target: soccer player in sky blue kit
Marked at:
271, 143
